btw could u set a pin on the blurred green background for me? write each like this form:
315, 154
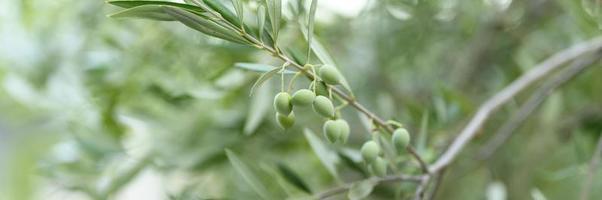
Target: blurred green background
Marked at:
93, 107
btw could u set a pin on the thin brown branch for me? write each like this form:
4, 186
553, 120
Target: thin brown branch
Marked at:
591, 171
537, 72
538, 97
388, 179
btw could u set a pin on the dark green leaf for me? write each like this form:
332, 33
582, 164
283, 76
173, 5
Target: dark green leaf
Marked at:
131, 4
238, 7
204, 25
293, 178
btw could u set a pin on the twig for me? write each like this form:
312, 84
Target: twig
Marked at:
419, 194
538, 97
483, 113
438, 181
387, 179
591, 172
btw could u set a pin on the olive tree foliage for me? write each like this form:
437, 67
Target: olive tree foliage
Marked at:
260, 100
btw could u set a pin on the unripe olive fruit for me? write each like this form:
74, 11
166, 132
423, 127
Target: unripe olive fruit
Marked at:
323, 106
282, 103
336, 130
303, 97
379, 167
330, 75
401, 139
344, 128
285, 121
370, 150
332, 131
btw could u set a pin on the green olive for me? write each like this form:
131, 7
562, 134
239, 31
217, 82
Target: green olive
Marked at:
336, 130
370, 150
285, 121
400, 139
323, 106
330, 75
379, 167
282, 103
343, 127
303, 97
332, 131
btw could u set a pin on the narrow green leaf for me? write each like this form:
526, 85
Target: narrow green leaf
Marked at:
264, 77
256, 67
310, 26
204, 25
223, 11
327, 156
361, 190
293, 178
259, 107
274, 14
154, 12
260, 21
131, 4
238, 7
248, 176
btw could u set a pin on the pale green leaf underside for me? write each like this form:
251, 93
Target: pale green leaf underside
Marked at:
256, 67
361, 190
328, 157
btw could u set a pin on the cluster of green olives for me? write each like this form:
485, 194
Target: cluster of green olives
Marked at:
371, 151
335, 130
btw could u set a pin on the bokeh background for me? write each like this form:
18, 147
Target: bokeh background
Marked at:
93, 107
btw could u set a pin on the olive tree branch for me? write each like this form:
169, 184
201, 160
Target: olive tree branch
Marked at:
538, 97
386, 179
591, 172
311, 75
483, 113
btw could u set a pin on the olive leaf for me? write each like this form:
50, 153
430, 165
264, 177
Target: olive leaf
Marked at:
275, 13
264, 77
310, 26
248, 176
292, 177
256, 67
204, 25
132, 4
260, 21
238, 7
154, 12
223, 11
361, 189
259, 106
327, 156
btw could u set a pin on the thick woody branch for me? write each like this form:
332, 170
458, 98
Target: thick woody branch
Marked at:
483, 113
538, 97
